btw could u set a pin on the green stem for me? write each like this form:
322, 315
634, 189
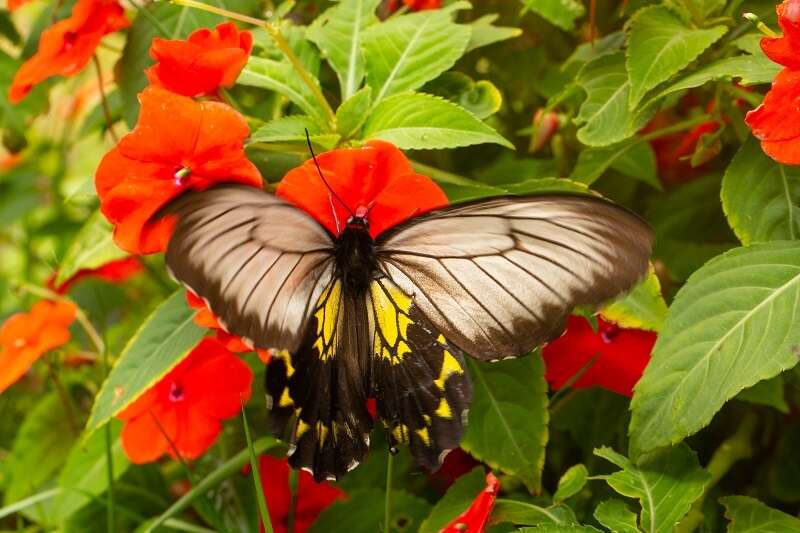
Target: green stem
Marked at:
66, 399
294, 479
104, 101
109, 455
151, 19
261, 499
387, 503
676, 128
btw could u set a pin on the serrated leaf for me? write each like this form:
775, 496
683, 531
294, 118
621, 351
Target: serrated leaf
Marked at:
770, 392
509, 417
557, 528
616, 516
659, 46
734, 323
92, 247
561, 13
642, 308
362, 512
760, 197
485, 33
162, 341
292, 129
338, 34
524, 513
407, 51
749, 515
604, 117
633, 158
455, 501
353, 112
85, 474
666, 483
571, 483
421, 121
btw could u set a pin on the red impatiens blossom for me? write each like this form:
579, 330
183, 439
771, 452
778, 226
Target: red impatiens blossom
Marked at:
611, 357
199, 65
13, 5
776, 122
177, 144
112, 272
185, 408
312, 497
376, 179
474, 519
455, 464
67, 46
25, 337
414, 5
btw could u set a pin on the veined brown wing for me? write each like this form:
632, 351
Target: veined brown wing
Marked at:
498, 277
259, 263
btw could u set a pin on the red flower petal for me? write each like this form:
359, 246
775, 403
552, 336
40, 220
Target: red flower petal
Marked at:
475, 518
208, 386
613, 358
785, 50
776, 122
68, 45
25, 337
112, 272
207, 60
143, 172
376, 177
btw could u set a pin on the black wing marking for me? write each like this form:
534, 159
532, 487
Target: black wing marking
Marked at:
499, 276
317, 396
258, 262
419, 380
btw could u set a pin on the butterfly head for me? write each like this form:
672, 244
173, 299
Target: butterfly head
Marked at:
359, 219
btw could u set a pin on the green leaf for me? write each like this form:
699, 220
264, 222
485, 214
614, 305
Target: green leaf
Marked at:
353, 112
362, 512
509, 417
455, 501
485, 33
760, 197
666, 484
421, 121
750, 515
604, 116
556, 528
659, 46
561, 13
615, 515
633, 158
85, 475
292, 130
734, 323
770, 392
642, 308
338, 34
480, 98
92, 247
162, 341
407, 51
571, 483
40, 449
528, 514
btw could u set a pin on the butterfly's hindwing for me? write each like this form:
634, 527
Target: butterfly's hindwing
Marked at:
317, 395
420, 384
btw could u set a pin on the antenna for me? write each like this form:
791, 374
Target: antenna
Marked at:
322, 177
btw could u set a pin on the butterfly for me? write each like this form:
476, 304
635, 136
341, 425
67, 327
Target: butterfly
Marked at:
352, 318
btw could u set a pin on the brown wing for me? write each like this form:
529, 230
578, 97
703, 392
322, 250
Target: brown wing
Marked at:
259, 263
498, 277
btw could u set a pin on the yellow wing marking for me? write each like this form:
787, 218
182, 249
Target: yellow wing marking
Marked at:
302, 427
450, 366
287, 359
327, 315
444, 411
424, 436
286, 400
391, 308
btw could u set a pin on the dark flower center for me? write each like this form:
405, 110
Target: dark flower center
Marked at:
608, 333
181, 174
176, 393
69, 39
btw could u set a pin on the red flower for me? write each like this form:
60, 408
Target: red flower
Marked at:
205, 318
376, 179
312, 497
414, 5
455, 464
612, 358
776, 122
177, 144
545, 125
112, 272
13, 5
785, 50
25, 337
474, 519
67, 46
187, 405
202, 63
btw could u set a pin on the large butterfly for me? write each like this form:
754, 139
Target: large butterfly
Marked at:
351, 318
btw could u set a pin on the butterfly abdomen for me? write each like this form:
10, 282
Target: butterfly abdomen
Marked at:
356, 260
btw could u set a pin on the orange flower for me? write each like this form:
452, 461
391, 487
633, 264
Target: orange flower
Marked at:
376, 178
414, 5
206, 319
178, 144
207, 60
25, 337
112, 272
476, 517
185, 408
13, 5
67, 46
785, 50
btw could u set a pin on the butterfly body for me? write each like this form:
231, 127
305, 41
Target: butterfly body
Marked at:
351, 317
